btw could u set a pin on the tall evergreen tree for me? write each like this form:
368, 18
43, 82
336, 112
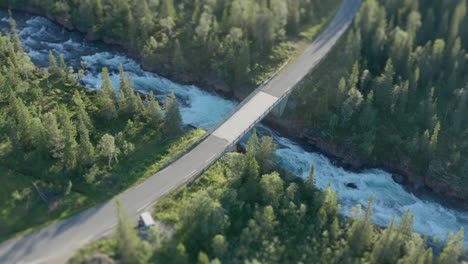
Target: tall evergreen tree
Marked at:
70, 157
53, 68
85, 149
130, 248
173, 119
107, 98
361, 232
55, 140
155, 114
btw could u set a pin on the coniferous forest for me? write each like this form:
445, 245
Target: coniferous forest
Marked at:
399, 92
391, 94
224, 43
60, 144
244, 211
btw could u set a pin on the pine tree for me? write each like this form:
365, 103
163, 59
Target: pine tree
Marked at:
219, 246
435, 137
129, 246
272, 189
53, 68
354, 76
310, 181
266, 154
127, 102
63, 66
155, 114
252, 144
330, 207
81, 110
361, 232
351, 105
85, 148
203, 258
458, 16
107, 98
69, 158
173, 119
251, 175
460, 112
385, 249
28, 129
178, 59
107, 87
453, 250
123, 103
14, 32
55, 140
384, 87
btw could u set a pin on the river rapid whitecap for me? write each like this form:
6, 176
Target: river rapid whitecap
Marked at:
203, 109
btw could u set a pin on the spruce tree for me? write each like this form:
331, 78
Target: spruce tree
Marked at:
53, 68
63, 66
55, 140
453, 250
310, 181
361, 232
155, 114
70, 157
173, 119
85, 148
129, 246
107, 98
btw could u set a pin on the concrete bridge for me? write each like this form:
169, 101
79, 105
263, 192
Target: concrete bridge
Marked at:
58, 242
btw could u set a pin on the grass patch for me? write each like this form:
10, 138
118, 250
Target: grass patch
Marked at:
27, 212
106, 247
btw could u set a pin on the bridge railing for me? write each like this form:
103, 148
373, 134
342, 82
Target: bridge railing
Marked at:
229, 115
195, 175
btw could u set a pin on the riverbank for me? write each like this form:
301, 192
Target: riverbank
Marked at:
290, 47
348, 157
210, 84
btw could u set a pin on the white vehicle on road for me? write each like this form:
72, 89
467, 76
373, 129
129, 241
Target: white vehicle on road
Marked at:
146, 221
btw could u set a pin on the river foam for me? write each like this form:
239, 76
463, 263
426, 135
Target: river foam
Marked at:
390, 198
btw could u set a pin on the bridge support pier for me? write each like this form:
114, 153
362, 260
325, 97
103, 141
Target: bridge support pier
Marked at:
281, 107
232, 148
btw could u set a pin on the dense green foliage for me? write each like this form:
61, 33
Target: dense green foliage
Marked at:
214, 40
397, 87
61, 145
243, 212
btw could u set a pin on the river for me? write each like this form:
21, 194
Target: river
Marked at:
203, 109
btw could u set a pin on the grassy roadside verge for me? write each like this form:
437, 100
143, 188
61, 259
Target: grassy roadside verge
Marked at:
289, 49
22, 215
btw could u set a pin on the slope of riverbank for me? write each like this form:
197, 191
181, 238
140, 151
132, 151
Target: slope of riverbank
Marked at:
204, 45
349, 157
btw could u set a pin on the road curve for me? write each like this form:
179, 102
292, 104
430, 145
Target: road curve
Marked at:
58, 242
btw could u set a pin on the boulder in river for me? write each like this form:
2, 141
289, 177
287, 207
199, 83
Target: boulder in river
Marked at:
351, 185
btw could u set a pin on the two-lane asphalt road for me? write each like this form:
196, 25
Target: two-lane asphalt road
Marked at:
57, 242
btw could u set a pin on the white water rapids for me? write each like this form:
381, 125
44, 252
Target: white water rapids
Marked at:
203, 109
